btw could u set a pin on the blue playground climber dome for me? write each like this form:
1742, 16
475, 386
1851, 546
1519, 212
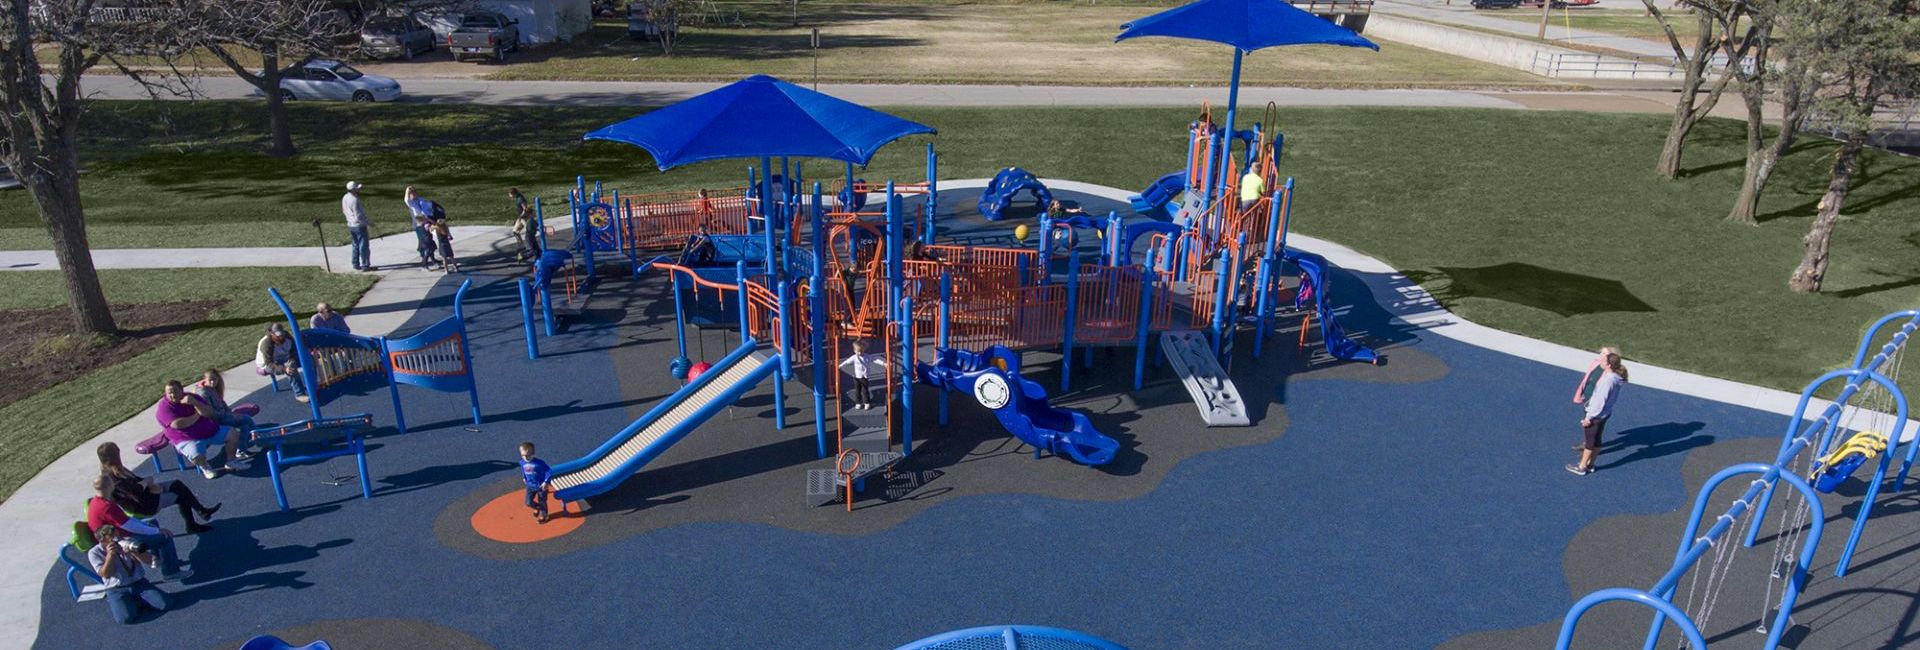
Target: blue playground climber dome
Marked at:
1001, 190
1012, 637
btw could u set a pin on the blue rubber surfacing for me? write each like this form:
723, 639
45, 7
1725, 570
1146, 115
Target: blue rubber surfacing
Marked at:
1387, 516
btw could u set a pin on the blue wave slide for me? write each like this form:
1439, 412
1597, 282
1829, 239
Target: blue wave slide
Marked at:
1020, 404
1338, 344
667, 423
1157, 195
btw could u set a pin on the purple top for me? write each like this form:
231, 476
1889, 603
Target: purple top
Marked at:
167, 411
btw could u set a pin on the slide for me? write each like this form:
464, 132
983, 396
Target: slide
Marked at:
1019, 403
668, 422
1160, 192
1207, 383
1331, 333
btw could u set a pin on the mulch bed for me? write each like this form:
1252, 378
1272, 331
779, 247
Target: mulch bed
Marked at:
40, 350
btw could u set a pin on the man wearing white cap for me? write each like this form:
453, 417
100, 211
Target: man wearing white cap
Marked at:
357, 227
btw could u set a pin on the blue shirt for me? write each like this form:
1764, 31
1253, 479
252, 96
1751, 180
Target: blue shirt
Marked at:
534, 471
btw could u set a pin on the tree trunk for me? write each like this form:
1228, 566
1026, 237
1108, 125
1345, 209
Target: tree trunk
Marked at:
1812, 270
1685, 113
282, 144
56, 192
1747, 204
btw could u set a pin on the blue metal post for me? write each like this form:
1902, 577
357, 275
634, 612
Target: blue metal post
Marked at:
757, 207
896, 240
540, 224
526, 318
679, 313
1226, 142
306, 368
1045, 247
466, 354
786, 353
393, 389
1286, 213
848, 205
1066, 328
740, 278
1266, 277
946, 320
766, 192
1146, 322
906, 372
546, 308
1219, 300
817, 317
1113, 239
933, 202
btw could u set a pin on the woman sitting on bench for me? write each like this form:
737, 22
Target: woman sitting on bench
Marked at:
135, 493
212, 387
188, 423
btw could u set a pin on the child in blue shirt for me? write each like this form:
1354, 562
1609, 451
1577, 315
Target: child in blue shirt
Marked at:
535, 472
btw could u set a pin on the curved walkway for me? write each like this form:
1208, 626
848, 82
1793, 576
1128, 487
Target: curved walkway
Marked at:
37, 513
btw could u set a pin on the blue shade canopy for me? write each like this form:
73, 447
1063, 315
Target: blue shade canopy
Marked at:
760, 116
1245, 24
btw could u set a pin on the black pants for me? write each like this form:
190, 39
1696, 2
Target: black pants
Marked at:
424, 243
183, 497
862, 392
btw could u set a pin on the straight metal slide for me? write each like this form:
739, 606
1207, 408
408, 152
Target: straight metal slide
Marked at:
667, 423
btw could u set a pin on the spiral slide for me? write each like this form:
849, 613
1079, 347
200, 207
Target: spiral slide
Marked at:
1335, 336
1020, 404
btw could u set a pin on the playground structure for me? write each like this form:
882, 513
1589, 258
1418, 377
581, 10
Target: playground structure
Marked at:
1008, 184
1012, 637
336, 363
813, 276
1867, 418
317, 439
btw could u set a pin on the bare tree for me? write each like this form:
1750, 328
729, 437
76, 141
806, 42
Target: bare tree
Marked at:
40, 111
663, 21
262, 41
1868, 45
1715, 20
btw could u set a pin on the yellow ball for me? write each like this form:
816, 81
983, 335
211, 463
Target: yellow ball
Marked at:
1020, 232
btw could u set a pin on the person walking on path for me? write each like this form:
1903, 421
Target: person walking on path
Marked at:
860, 364
357, 227
421, 212
525, 227
1599, 408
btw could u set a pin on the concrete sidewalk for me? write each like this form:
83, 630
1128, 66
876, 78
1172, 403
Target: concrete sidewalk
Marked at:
391, 251
39, 516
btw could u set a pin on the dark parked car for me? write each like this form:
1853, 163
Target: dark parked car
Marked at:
1495, 4
485, 35
386, 38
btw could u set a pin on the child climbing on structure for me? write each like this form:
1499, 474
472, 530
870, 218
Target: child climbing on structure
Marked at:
859, 365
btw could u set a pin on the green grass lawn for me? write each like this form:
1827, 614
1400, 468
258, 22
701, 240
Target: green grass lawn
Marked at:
1517, 220
1057, 43
36, 430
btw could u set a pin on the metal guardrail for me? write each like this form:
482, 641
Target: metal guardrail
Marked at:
105, 15
1554, 64
1334, 6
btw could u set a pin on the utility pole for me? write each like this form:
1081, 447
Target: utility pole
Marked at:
816, 59
1546, 12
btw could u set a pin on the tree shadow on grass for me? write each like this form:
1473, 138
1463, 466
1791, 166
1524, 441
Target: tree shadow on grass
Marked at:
1857, 203
1560, 292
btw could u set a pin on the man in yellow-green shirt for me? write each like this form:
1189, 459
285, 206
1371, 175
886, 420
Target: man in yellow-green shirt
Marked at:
1251, 187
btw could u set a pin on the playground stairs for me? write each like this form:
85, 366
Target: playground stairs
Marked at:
868, 437
1212, 391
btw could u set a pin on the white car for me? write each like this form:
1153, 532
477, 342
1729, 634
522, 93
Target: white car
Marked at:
329, 79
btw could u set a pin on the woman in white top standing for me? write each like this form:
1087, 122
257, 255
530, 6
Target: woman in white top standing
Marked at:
860, 365
1599, 408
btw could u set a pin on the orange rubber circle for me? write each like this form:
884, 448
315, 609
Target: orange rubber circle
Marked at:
508, 519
